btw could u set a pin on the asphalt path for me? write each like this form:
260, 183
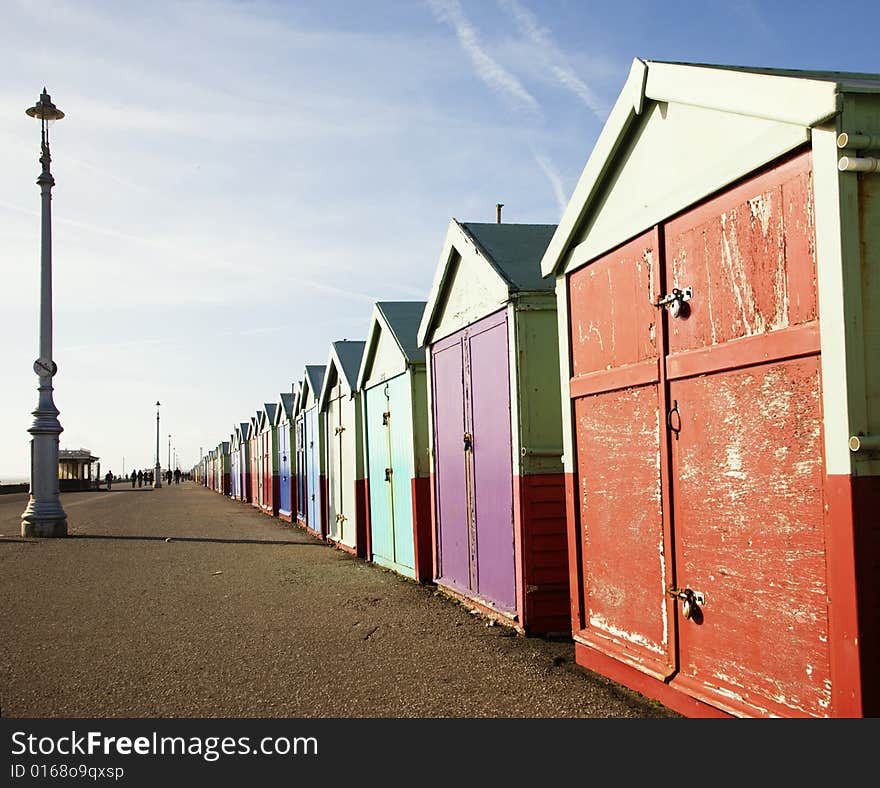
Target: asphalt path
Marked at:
178, 602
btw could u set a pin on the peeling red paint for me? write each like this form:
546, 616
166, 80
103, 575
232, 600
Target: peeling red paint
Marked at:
708, 474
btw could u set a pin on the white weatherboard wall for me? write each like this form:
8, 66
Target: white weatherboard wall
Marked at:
472, 289
387, 360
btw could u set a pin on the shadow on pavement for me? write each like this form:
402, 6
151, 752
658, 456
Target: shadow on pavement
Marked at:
193, 539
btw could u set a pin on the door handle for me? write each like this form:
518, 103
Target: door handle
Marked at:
674, 412
388, 474
468, 442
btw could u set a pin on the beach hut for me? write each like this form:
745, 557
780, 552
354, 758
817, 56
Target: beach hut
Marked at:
339, 405
254, 446
490, 331
310, 441
234, 469
244, 487
211, 467
720, 347
223, 467
284, 459
268, 438
395, 436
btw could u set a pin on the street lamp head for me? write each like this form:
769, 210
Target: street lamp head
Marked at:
45, 110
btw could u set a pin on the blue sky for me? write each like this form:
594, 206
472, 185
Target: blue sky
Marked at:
237, 182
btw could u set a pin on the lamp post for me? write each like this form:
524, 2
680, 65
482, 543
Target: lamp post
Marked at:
44, 515
169, 451
157, 475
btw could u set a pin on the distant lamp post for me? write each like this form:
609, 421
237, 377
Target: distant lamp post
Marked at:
169, 451
157, 475
44, 515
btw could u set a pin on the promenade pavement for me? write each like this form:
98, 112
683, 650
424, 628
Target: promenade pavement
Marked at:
178, 602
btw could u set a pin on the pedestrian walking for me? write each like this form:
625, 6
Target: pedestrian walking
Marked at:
140, 478
109, 479
134, 478
177, 476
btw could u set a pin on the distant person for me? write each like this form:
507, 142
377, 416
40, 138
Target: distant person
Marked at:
168, 477
177, 475
140, 478
109, 479
134, 478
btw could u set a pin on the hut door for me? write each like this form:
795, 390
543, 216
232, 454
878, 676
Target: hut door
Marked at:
452, 479
301, 468
284, 467
697, 407
617, 400
381, 510
260, 466
747, 460
473, 462
312, 493
337, 458
400, 453
488, 395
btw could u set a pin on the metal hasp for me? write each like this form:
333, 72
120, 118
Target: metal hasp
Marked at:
44, 515
691, 602
676, 301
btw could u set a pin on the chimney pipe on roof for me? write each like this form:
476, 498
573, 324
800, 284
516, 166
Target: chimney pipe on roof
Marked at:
498, 207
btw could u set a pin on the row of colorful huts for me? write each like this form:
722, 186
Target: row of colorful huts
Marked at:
634, 426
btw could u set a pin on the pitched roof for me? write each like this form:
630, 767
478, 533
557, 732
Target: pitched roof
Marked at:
315, 377
270, 408
403, 318
349, 354
514, 251
800, 98
287, 403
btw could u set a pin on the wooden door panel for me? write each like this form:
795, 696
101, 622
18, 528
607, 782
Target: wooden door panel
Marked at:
624, 557
489, 388
749, 257
748, 475
611, 302
447, 363
381, 526
401, 463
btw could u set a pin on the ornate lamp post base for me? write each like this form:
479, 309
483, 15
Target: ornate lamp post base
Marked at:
43, 522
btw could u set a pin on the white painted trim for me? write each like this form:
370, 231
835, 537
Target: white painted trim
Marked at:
830, 265
626, 108
568, 460
786, 99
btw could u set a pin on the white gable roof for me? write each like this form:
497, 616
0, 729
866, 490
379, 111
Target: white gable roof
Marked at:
789, 103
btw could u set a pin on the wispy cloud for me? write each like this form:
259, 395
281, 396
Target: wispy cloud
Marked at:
528, 26
555, 180
488, 69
